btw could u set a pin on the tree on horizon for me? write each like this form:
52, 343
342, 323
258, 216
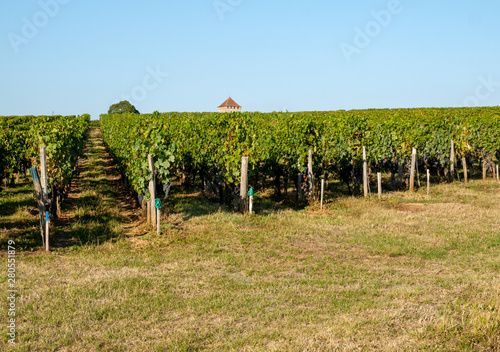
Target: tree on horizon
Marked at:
122, 107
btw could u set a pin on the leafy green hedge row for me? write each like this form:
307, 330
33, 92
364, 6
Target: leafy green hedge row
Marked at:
213, 143
22, 136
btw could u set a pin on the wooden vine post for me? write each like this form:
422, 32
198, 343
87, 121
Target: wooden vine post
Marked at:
452, 160
45, 194
412, 170
322, 191
365, 173
310, 174
379, 185
152, 191
39, 200
484, 169
299, 185
41, 187
464, 165
43, 170
498, 176
428, 181
244, 185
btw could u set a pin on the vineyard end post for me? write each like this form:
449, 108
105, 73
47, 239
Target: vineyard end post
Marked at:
464, 164
379, 185
365, 173
152, 190
45, 193
322, 191
43, 170
39, 199
452, 160
310, 174
412, 170
299, 183
428, 181
244, 185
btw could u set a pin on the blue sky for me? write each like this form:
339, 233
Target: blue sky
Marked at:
75, 56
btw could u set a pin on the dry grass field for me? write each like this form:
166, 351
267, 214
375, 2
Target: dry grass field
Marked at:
408, 273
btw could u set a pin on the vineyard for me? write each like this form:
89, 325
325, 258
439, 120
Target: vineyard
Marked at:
210, 145
21, 138
208, 148
407, 272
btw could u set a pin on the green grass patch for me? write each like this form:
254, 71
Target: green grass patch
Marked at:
19, 219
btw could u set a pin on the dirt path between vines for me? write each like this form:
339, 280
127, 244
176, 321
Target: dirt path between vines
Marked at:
99, 208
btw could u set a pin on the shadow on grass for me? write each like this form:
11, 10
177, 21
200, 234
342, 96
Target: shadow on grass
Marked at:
10, 208
23, 228
190, 202
95, 220
18, 196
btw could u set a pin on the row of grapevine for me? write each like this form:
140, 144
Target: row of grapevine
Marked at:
14, 144
22, 136
210, 145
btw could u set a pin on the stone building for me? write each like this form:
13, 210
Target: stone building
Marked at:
229, 106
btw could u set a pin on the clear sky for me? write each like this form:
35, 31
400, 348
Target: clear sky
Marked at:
75, 56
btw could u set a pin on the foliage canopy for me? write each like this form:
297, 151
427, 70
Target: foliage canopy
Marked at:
122, 108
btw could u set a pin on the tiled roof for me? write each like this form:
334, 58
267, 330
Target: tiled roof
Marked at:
229, 102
